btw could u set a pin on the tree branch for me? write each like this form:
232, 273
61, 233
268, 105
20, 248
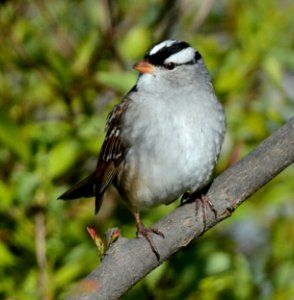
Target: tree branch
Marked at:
128, 261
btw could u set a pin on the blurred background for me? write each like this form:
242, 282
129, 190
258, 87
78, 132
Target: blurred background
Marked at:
63, 66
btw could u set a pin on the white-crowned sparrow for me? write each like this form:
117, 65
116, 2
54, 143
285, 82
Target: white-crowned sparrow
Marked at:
164, 138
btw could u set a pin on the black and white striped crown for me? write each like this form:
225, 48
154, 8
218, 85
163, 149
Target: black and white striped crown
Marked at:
172, 51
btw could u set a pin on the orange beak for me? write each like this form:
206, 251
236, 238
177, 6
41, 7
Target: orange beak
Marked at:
144, 67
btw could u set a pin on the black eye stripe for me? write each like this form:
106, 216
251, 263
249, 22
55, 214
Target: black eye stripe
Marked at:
197, 56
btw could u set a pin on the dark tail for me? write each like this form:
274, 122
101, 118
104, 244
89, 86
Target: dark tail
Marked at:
85, 188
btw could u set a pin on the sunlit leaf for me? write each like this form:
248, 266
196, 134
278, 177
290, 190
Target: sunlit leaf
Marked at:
273, 69
118, 81
62, 157
6, 257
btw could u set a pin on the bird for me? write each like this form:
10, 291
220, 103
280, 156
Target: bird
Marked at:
163, 139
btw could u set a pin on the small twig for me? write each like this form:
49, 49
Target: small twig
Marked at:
203, 12
41, 254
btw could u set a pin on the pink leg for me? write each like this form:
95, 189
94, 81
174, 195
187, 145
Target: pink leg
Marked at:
147, 232
204, 202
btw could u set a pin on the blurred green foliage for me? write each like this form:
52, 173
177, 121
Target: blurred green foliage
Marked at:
64, 64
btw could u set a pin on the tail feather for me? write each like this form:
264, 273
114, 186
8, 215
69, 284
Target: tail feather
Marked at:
88, 187
98, 199
84, 188
94, 185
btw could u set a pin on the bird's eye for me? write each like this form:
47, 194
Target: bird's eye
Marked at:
169, 66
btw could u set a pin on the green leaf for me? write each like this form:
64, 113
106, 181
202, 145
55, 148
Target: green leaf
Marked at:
6, 257
119, 81
62, 157
67, 273
13, 137
5, 196
273, 69
139, 36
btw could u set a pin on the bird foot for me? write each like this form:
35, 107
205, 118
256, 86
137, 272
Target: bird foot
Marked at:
204, 200
147, 233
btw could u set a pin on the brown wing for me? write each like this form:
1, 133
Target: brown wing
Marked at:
110, 158
111, 154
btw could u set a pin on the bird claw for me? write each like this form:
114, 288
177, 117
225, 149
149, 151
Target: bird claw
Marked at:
200, 196
204, 202
146, 233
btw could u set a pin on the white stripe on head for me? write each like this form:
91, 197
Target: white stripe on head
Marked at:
181, 57
161, 45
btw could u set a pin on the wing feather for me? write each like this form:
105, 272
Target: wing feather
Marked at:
109, 161
111, 154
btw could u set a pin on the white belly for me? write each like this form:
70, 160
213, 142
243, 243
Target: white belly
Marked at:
173, 155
